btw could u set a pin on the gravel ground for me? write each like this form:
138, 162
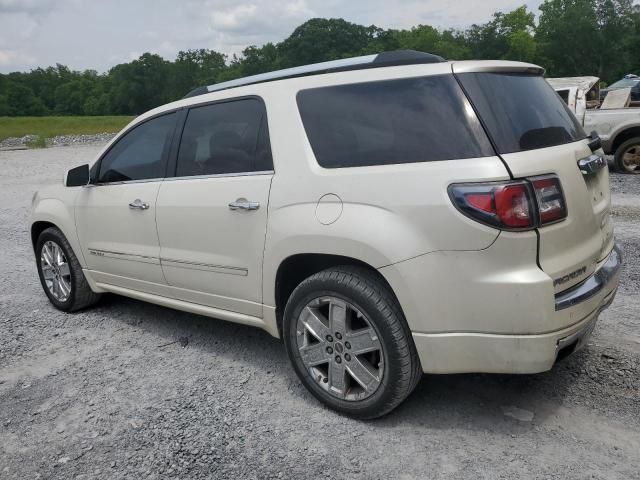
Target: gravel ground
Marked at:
16, 143
97, 395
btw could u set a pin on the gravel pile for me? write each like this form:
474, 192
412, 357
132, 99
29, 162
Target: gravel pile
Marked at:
60, 141
129, 390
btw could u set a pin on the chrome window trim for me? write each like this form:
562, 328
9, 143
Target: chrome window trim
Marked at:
126, 182
186, 177
221, 175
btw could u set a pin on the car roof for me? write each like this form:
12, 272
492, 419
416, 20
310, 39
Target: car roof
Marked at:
384, 59
409, 59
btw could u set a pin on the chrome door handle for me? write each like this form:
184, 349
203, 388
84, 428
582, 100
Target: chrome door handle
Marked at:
139, 204
244, 204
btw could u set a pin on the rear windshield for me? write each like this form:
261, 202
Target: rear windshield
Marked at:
391, 122
521, 112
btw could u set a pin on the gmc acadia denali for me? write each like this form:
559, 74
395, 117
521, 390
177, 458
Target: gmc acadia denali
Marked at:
385, 216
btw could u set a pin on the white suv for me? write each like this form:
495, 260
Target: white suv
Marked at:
384, 215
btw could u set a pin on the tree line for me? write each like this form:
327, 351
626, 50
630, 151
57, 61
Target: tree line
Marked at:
570, 38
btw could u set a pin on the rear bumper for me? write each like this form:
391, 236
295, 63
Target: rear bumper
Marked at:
518, 310
489, 353
599, 281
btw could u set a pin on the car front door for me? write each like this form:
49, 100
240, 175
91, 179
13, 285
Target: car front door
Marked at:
115, 215
212, 215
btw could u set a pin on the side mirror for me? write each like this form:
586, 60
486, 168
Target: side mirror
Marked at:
594, 141
78, 177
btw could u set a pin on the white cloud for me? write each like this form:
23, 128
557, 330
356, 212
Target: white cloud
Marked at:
98, 34
13, 57
26, 6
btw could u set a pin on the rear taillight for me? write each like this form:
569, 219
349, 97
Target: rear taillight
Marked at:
551, 205
517, 205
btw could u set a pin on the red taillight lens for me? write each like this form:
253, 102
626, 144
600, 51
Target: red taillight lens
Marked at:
502, 205
516, 205
481, 201
513, 206
551, 203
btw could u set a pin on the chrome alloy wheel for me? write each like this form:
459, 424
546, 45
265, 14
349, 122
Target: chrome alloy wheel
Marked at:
340, 348
631, 159
55, 271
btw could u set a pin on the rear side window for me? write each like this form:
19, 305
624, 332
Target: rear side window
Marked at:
521, 112
140, 154
391, 122
229, 137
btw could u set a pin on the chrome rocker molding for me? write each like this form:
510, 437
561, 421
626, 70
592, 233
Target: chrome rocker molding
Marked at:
592, 285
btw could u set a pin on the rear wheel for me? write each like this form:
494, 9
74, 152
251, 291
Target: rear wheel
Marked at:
60, 273
627, 156
349, 342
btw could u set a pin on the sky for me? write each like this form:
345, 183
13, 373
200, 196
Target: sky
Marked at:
98, 34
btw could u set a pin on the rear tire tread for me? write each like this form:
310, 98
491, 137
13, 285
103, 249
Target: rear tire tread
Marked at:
378, 293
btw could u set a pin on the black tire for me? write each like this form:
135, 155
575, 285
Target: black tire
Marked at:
371, 295
81, 296
621, 150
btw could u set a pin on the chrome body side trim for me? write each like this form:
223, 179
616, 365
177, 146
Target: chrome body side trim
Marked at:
592, 285
169, 262
124, 256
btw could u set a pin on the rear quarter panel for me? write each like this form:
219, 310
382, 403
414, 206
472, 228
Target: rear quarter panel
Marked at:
388, 213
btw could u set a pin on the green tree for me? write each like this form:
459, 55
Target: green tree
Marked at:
22, 101
320, 40
508, 36
140, 85
586, 37
257, 60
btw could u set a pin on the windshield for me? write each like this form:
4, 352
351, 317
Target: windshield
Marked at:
625, 82
521, 111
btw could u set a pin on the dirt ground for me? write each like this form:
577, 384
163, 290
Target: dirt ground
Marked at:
96, 395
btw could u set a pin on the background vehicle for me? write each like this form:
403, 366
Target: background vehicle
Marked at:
618, 129
385, 215
629, 81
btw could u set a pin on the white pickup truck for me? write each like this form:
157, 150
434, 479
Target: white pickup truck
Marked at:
618, 128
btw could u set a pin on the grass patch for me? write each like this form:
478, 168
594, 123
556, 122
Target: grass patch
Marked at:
38, 141
47, 127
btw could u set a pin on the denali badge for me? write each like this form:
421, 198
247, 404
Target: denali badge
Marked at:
569, 276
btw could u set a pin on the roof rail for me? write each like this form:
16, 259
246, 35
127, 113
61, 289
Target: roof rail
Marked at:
384, 59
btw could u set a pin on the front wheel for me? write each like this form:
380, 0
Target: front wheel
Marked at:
627, 156
349, 343
61, 274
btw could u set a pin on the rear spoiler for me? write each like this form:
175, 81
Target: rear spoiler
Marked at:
497, 66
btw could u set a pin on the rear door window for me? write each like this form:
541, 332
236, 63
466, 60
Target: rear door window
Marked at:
419, 119
224, 138
521, 112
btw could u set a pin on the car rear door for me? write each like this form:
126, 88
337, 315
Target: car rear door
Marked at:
212, 215
115, 215
535, 134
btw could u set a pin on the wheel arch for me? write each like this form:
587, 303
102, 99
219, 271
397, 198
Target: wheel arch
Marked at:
37, 228
51, 212
623, 136
295, 268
